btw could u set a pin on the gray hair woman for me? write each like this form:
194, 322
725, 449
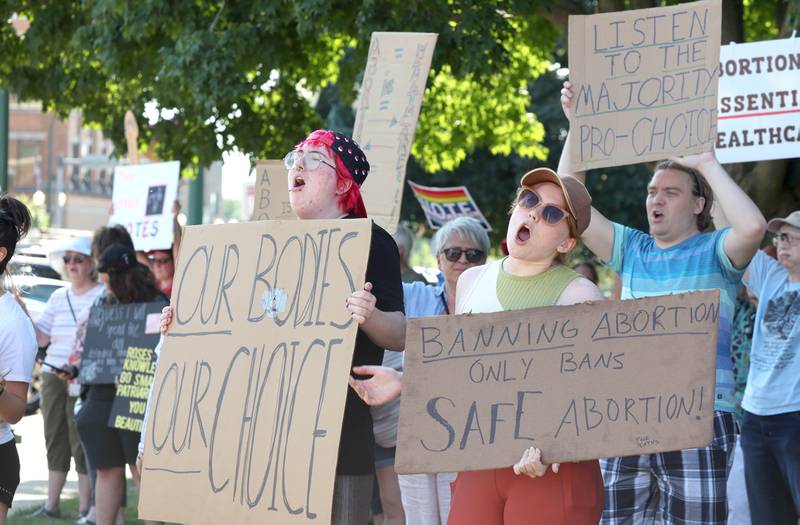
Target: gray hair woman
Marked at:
459, 245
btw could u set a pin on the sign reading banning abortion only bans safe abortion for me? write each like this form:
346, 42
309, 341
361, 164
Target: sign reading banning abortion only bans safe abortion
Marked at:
143, 196
644, 84
250, 386
759, 101
386, 117
271, 200
593, 380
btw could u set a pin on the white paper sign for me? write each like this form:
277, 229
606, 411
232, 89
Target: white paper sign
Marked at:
759, 101
143, 196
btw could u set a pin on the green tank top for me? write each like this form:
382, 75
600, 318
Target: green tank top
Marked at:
518, 293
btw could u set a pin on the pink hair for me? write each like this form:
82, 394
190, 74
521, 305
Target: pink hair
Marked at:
351, 201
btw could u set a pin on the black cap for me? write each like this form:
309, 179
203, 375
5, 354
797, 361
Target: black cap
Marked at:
353, 158
117, 258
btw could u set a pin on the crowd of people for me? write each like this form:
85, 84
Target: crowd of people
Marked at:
550, 215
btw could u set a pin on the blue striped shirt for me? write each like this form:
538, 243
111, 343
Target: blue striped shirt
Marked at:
698, 263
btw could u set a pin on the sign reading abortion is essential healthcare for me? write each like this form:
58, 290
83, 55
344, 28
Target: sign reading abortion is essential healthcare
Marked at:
143, 196
644, 84
759, 101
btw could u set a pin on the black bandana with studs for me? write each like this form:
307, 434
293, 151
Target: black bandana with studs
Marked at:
353, 158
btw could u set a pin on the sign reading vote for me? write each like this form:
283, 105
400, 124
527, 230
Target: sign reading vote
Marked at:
759, 101
271, 200
604, 379
386, 117
442, 205
644, 84
110, 331
142, 197
247, 405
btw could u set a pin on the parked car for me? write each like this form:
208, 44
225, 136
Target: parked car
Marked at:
35, 292
32, 265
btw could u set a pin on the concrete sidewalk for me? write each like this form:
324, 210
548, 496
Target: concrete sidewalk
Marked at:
32, 491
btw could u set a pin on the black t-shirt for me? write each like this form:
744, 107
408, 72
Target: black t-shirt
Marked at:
357, 444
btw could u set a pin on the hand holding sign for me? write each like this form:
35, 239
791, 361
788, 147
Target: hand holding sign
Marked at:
362, 304
531, 464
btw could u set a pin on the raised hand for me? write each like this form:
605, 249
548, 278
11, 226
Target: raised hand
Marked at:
566, 99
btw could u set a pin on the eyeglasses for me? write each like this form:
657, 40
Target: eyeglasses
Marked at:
77, 259
454, 254
311, 160
785, 238
158, 260
551, 213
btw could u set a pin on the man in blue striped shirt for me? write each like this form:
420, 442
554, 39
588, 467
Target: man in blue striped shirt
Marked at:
686, 486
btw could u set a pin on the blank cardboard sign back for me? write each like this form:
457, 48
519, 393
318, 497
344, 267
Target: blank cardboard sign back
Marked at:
594, 380
644, 84
248, 398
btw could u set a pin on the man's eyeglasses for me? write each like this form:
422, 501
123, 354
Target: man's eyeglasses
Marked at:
473, 254
159, 260
551, 214
311, 160
77, 259
785, 238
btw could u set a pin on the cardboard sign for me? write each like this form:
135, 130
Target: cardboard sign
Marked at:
442, 205
759, 101
143, 195
250, 387
644, 84
138, 369
386, 117
580, 382
110, 331
271, 201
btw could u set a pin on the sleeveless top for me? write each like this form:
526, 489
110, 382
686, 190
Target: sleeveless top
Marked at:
495, 290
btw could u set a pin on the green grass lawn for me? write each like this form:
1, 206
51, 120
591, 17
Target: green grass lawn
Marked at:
69, 511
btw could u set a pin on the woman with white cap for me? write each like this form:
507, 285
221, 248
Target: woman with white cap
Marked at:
56, 327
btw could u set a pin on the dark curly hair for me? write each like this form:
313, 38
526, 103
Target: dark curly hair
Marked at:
15, 221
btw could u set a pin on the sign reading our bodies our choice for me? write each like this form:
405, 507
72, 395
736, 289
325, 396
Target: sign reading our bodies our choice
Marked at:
759, 101
610, 378
644, 84
247, 403
142, 198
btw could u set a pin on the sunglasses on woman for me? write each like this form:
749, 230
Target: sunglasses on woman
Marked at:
551, 214
77, 259
473, 254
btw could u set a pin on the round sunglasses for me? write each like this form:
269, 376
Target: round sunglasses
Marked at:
551, 214
454, 254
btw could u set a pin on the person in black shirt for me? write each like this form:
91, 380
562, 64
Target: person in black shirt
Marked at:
326, 171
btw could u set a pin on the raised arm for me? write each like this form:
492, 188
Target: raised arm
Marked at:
747, 223
599, 236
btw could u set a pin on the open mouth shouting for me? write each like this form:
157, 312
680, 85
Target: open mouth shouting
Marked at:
657, 215
297, 183
523, 234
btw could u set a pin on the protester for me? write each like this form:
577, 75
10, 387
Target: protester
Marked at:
163, 267
55, 329
686, 486
547, 218
459, 245
771, 403
326, 171
587, 269
405, 243
109, 449
17, 352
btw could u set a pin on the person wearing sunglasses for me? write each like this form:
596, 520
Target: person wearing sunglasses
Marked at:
679, 255
163, 267
547, 218
325, 174
55, 330
770, 430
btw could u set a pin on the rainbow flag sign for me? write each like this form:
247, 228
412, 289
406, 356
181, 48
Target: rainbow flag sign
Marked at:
445, 204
